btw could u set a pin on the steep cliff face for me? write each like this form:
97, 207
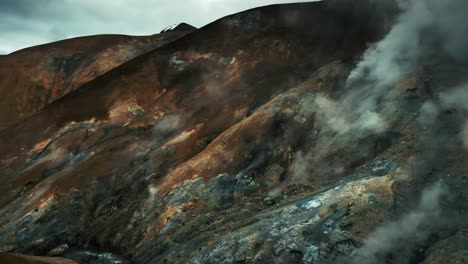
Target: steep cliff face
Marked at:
246, 142
32, 78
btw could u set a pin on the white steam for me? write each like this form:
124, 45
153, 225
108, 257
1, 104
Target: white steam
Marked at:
340, 120
428, 114
458, 98
406, 232
423, 26
425, 29
385, 63
166, 125
455, 98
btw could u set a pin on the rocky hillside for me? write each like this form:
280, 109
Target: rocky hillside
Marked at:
319, 132
34, 77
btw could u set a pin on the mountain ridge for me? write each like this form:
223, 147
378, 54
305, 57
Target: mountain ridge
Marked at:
52, 70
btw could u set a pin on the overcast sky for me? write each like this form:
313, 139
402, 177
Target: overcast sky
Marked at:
25, 23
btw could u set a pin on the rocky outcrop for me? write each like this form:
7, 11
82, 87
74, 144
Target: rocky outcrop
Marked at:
239, 143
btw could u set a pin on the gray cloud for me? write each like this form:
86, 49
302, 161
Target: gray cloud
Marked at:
25, 23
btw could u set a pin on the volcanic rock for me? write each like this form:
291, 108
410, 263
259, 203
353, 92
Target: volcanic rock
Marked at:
236, 144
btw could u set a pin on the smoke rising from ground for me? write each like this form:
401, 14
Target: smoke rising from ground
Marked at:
339, 127
455, 98
402, 235
424, 30
423, 27
340, 120
386, 62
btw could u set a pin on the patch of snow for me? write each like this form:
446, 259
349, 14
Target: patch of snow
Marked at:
169, 28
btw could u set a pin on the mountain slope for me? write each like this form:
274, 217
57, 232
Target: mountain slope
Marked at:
34, 77
243, 143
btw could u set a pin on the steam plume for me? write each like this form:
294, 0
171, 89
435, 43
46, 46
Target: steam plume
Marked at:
403, 234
